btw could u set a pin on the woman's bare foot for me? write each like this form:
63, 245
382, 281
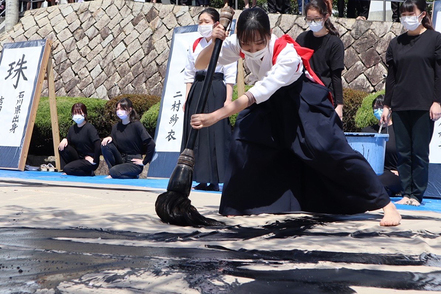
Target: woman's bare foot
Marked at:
403, 200
109, 177
391, 216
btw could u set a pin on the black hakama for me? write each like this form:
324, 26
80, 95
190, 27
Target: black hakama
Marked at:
289, 153
212, 143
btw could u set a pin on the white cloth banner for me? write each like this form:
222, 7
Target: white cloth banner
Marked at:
18, 73
170, 125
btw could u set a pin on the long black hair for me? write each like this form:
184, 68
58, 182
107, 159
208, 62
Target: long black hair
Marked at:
253, 23
409, 6
126, 104
323, 8
212, 12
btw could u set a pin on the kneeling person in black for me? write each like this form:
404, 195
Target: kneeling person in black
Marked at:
80, 150
123, 149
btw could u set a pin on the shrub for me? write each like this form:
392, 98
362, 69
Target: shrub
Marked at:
352, 100
365, 116
41, 140
141, 103
150, 118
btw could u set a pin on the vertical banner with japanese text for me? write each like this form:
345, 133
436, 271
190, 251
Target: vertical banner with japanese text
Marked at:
169, 128
434, 187
19, 71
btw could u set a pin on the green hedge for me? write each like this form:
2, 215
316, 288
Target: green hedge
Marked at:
365, 116
150, 118
352, 100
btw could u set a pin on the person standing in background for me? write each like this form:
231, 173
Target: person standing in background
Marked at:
328, 58
212, 144
413, 94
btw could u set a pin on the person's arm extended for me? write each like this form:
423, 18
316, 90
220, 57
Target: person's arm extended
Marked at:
203, 120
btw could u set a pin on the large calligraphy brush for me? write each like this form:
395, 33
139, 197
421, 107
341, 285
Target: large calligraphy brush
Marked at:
174, 206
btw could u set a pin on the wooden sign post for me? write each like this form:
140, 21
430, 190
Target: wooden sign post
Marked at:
23, 68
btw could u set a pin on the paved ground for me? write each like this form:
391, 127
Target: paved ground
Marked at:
64, 238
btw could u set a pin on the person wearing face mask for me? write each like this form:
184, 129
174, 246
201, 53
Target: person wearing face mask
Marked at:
413, 95
123, 150
328, 58
288, 151
389, 178
212, 144
80, 151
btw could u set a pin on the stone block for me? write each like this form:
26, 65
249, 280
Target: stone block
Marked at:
133, 47
376, 74
94, 73
70, 84
70, 18
364, 42
351, 57
360, 27
74, 56
123, 69
60, 56
88, 91
56, 19
165, 10
106, 32
112, 81
274, 19
85, 51
60, 26
125, 80
74, 25
163, 57
80, 69
370, 57
136, 58
356, 70
170, 21
44, 31
145, 35
361, 83
95, 60
347, 40
79, 34
380, 28
31, 32
132, 35
185, 20
91, 32
118, 50
66, 10
67, 74
74, 92
151, 15
286, 22
101, 92
28, 22
99, 80
102, 22
93, 43
122, 58
81, 44
112, 11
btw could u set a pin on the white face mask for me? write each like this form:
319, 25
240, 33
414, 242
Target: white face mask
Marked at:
258, 55
411, 23
315, 26
78, 118
122, 114
205, 30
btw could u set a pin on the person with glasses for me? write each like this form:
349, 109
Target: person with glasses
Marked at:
413, 94
328, 58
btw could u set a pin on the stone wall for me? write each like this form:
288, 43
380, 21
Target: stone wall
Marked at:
104, 48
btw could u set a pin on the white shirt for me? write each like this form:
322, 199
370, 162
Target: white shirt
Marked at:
286, 70
229, 70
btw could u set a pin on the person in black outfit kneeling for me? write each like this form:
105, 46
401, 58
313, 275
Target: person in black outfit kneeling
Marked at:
80, 150
123, 149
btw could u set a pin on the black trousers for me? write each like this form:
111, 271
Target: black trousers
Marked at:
75, 164
358, 8
281, 6
120, 165
413, 132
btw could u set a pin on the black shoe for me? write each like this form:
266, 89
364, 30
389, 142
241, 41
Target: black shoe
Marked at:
213, 187
201, 186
